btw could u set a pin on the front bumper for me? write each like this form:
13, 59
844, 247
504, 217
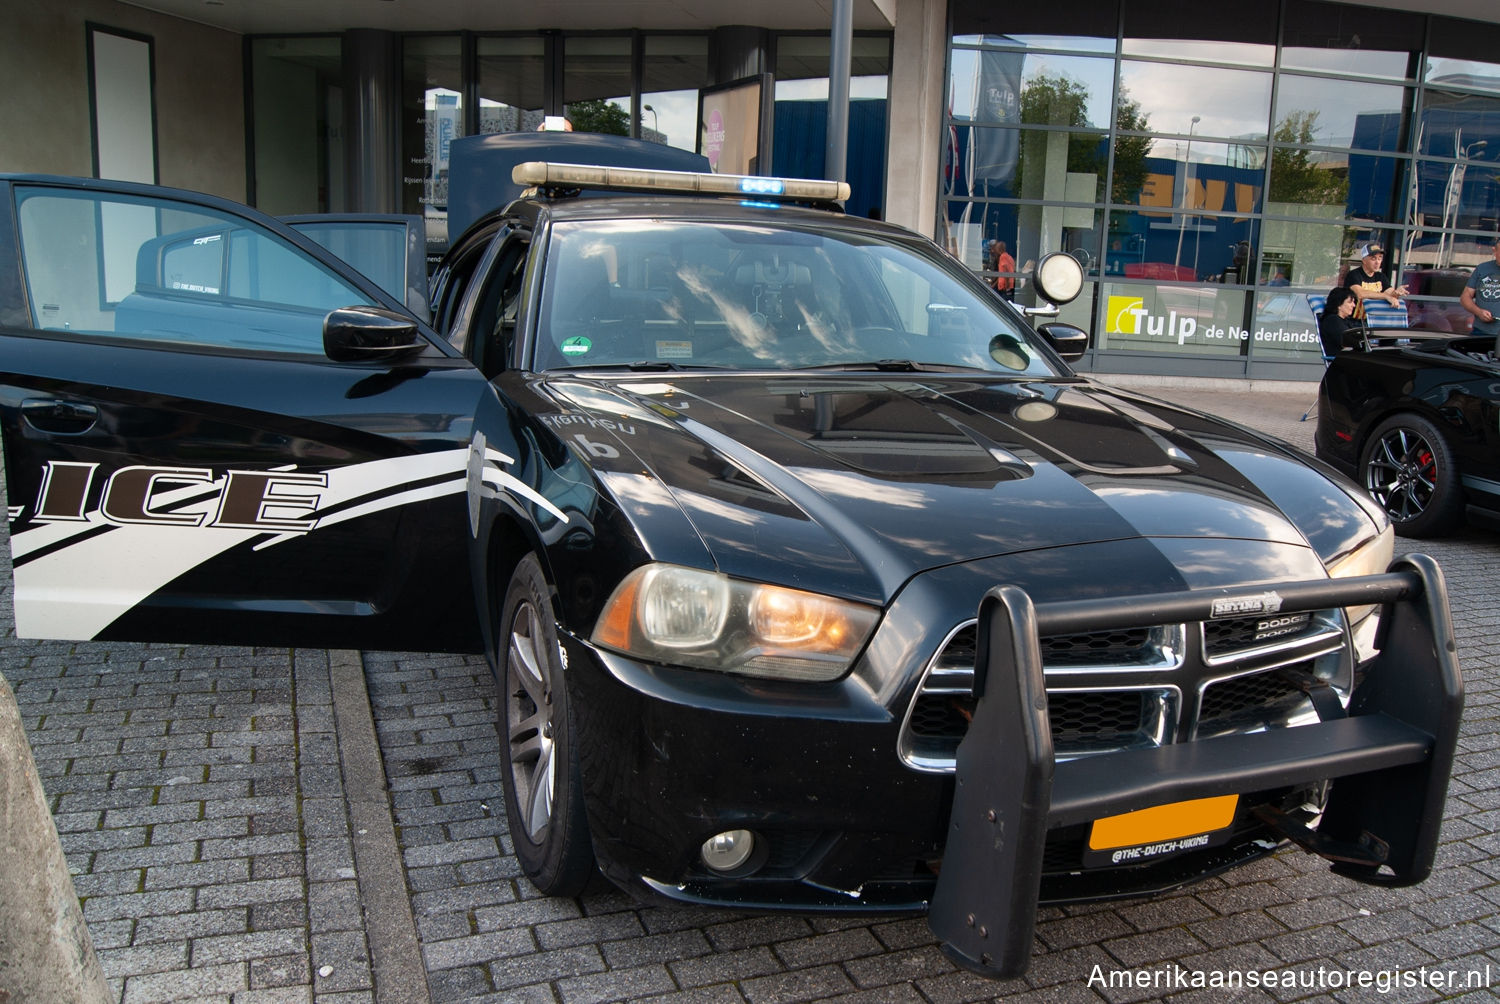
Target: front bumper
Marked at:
1389, 759
670, 757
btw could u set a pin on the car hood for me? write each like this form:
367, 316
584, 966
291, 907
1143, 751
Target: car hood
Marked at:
854, 483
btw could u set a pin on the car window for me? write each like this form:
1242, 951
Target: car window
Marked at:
450, 284
99, 263
691, 293
376, 249
492, 328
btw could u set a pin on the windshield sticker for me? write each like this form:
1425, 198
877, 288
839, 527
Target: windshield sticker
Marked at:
578, 345
674, 350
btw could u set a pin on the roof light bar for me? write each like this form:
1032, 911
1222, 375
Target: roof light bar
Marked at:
627, 179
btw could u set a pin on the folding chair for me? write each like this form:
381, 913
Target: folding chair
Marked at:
1317, 303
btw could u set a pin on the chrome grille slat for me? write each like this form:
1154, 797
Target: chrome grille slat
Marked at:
1126, 688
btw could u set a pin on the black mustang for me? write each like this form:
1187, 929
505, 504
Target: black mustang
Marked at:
812, 576
1418, 424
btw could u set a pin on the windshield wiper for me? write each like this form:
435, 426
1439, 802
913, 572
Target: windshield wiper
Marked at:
893, 366
644, 366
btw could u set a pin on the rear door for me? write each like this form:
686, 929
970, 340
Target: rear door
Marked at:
183, 462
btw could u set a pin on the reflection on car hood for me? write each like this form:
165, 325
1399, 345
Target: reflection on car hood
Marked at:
853, 483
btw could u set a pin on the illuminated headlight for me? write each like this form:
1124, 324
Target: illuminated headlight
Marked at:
689, 617
1371, 558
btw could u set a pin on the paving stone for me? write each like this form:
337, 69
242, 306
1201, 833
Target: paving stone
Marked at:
185, 985
622, 984
246, 947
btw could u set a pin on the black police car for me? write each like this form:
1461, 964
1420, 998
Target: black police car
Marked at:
812, 576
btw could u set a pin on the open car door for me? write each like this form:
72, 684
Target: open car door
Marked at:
388, 248
185, 461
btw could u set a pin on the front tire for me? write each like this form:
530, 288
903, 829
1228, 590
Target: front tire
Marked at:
1409, 469
539, 769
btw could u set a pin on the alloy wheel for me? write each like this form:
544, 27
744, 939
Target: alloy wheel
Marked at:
529, 723
1402, 473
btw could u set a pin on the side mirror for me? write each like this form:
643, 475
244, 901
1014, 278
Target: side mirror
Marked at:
370, 335
1070, 342
1059, 279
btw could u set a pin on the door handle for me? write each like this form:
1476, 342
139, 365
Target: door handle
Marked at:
59, 418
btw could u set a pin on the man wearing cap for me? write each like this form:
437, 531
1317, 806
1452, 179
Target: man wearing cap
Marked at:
1481, 296
1367, 281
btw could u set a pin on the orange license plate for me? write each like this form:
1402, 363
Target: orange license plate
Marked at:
1147, 834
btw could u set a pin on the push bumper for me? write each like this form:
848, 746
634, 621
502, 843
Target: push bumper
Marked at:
1389, 759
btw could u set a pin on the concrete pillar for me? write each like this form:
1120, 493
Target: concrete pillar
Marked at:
372, 115
736, 51
918, 58
45, 950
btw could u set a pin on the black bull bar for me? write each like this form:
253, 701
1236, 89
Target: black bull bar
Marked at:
1391, 756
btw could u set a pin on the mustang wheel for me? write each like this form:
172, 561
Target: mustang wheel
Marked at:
1408, 468
543, 793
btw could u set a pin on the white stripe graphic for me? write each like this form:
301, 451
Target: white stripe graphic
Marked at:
503, 479
79, 589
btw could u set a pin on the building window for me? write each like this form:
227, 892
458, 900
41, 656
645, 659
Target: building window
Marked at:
597, 82
298, 125
432, 117
674, 68
122, 94
1210, 189
512, 74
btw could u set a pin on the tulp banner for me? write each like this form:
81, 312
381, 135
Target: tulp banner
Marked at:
998, 103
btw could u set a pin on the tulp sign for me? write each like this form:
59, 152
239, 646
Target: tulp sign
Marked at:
1127, 315
1197, 320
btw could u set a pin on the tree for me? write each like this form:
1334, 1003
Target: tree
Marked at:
1057, 99
598, 115
1130, 151
1295, 176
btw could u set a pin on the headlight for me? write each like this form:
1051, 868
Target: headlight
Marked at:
1371, 558
689, 617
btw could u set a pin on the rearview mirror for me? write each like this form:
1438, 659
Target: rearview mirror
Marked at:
1070, 342
370, 335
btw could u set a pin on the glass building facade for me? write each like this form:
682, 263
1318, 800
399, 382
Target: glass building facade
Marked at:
642, 84
1212, 168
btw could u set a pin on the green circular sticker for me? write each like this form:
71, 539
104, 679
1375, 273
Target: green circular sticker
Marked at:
576, 346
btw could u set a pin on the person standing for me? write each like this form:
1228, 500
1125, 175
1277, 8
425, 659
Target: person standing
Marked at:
1003, 262
1481, 296
1367, 280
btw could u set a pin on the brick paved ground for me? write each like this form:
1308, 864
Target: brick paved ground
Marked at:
203, 812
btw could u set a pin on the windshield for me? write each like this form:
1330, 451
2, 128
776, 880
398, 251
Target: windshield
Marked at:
666, 295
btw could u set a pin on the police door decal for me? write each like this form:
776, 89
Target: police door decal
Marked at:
91, 547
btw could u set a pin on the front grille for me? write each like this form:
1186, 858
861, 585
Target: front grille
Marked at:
1146, 686
1234, 636
1249, 696
1091, 717
1099, 648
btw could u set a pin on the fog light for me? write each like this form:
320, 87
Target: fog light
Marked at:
728, 851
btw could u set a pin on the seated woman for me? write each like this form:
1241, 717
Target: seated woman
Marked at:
1337, 329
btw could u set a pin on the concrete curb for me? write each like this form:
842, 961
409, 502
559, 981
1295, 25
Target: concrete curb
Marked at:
395, 952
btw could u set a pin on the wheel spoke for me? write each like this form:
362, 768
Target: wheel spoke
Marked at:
524, 656
525, 735
539, 803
